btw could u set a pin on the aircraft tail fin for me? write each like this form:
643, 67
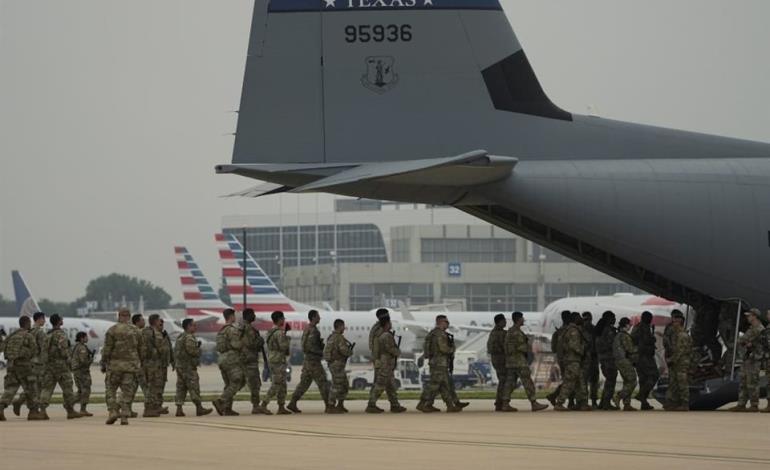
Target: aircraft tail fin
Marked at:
405, 79
262, 294
200, 298
26, 304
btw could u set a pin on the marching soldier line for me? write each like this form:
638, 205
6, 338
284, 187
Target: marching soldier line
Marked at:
135, 355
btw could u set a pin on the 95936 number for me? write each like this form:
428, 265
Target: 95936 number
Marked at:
378, 33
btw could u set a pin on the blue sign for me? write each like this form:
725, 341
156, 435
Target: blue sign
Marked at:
455, 269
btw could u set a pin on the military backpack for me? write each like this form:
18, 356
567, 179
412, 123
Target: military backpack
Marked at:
14, 346
222, 341
427, 347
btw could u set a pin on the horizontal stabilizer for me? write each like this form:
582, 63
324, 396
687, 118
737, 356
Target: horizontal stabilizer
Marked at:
468, 169
265, 189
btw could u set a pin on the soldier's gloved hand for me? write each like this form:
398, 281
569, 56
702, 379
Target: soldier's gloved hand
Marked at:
200, 343
104, 369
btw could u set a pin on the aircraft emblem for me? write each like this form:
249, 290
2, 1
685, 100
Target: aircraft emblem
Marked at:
380, 76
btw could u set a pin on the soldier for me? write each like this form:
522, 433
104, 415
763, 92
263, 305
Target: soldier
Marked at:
386, 356
252, 348
605, 338
56, 355
571, 349
230, 349
137, 323
678, 345
38, 334
120, 361
155, 366
643, 335
187, 353
19, 349
516, 349
565, 319
278, 351
626, 356
438, 350
82, 358
496, 351
753, 355
336, 353
374, 333
167, 359
591, 361
312, 369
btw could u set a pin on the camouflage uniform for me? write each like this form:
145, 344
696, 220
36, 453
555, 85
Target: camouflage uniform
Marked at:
230, 349
252, 348
606, 358
336, 352
278, 350
56, 350
590, 361
38, 368
441, 349
120, 356
749, 389
555, 337
312, 369
387, 356
646, 367
390, 389
678, 393
20, 348
155, 368
516, 348
82, 358
496, 351
571, 350
187, 354
626, 356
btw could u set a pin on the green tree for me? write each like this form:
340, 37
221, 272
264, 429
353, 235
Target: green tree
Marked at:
7, 307
117, 286
65, 309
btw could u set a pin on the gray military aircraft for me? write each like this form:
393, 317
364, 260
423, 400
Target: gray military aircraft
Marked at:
435, 101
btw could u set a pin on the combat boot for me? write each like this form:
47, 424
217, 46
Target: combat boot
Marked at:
397, 408
220, 407
257, 409
646, 406
2, 413
163, 410
43, 413
754, 408
292, 406
628, 407
230, 412
282, 410
341, 405
560, 407
552, 399
497, 405
682, 407
200, 410
333, 410
373, 409
506, 407
453, 409
584, 406
72, 414
17, 407
151, 412
85, 412
738, 409
112, 418
179, 411
461, 404
423, 406
595, 404
538, 406
124, 420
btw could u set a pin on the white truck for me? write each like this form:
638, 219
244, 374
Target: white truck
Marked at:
407, 376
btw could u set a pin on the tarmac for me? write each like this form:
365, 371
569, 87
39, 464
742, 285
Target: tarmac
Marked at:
474, 439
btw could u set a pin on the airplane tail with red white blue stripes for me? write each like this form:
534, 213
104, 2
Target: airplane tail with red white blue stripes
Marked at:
200, 298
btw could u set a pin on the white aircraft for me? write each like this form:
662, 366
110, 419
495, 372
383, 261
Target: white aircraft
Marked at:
622, 305
27, 306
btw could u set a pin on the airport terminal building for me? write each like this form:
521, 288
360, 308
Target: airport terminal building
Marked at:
365, 254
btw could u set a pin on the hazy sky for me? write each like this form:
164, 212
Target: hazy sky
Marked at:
113, 113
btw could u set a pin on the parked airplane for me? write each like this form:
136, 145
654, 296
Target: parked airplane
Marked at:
407, 94
27, 306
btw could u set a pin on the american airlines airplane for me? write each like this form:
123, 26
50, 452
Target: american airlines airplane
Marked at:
435, 101
27, 306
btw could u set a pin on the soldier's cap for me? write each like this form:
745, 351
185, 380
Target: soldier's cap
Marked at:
753, 311
677, 314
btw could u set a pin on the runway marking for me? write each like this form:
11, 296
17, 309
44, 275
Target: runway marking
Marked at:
504, 445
